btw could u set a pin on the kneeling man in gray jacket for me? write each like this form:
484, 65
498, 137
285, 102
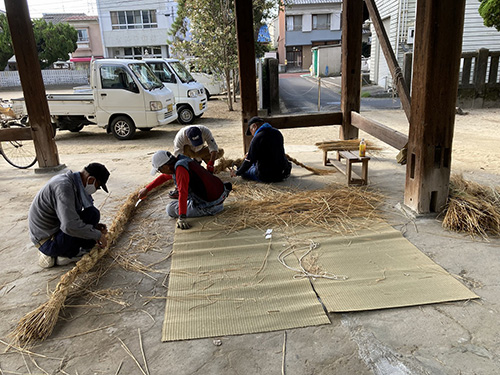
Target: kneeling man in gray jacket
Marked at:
63, 221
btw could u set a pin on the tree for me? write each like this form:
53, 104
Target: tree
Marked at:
53, 42
206, 29
6, 50
490, 11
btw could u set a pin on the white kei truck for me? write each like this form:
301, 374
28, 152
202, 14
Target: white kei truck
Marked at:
124, 95
190, 96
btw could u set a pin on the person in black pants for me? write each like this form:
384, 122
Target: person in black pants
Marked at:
266, 160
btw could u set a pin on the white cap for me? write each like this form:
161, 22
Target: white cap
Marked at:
160, 158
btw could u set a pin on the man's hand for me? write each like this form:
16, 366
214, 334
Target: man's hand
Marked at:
182, 222
102, 227
103, 241
143, 193
210, 166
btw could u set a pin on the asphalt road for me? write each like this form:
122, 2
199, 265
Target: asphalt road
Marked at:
300, 94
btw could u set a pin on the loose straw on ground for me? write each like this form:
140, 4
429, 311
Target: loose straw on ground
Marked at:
39, 323
336, 208
472, 208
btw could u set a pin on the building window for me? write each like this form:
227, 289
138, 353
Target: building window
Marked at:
83, 35
321, 22
294, 23
134, 19
139, 52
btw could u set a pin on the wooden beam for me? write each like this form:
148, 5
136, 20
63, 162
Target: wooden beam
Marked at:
15, 134
380, 131
392, 63
303, 121
30, 74
246, 64
438, 43
352, 22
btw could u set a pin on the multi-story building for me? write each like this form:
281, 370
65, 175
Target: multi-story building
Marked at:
305, 24
89, 43
135, 29
398, 18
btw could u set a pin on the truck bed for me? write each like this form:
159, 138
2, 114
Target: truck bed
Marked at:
63, 104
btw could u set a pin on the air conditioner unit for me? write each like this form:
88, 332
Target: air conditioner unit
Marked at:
411, 35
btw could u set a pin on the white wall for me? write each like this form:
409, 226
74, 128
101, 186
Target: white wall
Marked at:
136, 37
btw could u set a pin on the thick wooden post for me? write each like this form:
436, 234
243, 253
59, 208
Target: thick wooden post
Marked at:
30, 74
352, 21
246, 63
438, 44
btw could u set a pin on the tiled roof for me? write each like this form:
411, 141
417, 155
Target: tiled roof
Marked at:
56, 18
81, 18
308, 2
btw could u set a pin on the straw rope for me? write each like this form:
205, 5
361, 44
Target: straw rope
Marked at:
39, 323
225, 164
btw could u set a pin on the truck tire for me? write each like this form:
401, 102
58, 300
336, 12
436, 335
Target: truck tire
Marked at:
208, 94
76, 129
186, 115
123, 128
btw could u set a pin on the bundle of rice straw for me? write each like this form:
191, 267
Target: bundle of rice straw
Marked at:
472, 208
348, 145
336, 208
225, 164
39, 323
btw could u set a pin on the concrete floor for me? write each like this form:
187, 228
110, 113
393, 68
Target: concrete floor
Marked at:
449, 338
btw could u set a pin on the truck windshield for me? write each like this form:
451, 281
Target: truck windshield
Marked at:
182, 72
145, 76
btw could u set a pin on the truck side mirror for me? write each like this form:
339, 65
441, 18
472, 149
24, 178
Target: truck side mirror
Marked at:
133, 87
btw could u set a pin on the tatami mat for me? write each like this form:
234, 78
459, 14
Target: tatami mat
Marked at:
384, 270
225, 284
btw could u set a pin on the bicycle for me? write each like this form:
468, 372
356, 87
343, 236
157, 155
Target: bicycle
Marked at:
19, 154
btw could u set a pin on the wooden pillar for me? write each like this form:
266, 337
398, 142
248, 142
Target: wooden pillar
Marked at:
30, 74
352, 21
246, 63
274, 86
438, 44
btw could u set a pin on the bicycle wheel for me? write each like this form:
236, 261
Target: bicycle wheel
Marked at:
19, 154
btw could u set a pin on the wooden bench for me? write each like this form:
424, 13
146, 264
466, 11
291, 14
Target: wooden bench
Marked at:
350, 157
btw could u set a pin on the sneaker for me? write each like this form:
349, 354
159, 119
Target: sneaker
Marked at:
174, 194
63, 261
46, 261
228, 186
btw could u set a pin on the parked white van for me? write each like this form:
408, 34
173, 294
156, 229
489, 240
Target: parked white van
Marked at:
213, 83
190, 97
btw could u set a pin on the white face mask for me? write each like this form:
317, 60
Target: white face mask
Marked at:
90, 189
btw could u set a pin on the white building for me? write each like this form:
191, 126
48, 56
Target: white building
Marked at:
138, 28
398, 17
